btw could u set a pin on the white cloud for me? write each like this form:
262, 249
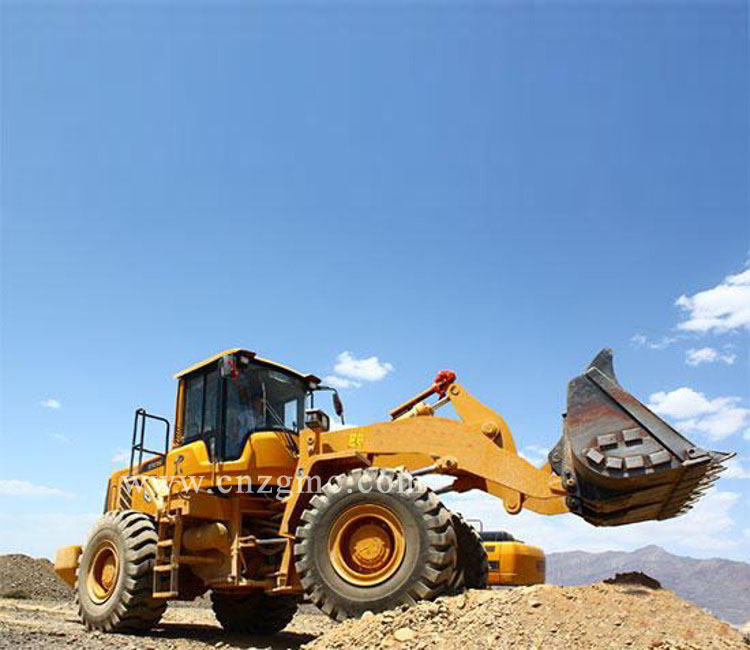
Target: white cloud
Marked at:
746, 435
682, 403
705, 530
638, 340
692, 411
21, 532
121, 456
535, 454
736, 468
723, 308
369, 369
17, 488
60, 437
51, 403
340, 382
720, 425
663, 342
695, 357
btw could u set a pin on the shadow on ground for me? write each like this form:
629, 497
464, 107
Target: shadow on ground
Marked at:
212, 634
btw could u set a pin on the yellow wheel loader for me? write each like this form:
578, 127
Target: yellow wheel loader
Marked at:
257, 499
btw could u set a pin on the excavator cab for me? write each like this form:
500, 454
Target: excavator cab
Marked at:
511, 562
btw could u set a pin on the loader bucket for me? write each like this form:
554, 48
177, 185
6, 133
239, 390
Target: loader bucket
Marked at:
621, 463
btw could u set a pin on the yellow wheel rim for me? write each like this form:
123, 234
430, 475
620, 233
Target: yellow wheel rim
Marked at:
104, 569
366, 544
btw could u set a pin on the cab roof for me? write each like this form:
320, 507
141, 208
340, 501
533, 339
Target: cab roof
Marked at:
232, 351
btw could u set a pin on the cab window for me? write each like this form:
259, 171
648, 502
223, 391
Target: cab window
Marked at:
193, 408
261, 399
211, 404
202, 406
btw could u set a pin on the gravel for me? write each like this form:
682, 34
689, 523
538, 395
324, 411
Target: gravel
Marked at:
630, 612
23, 577
548, 617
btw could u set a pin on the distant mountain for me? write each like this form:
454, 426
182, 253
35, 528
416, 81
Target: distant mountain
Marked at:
720, 586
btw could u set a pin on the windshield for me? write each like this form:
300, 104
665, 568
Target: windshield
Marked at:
261, 399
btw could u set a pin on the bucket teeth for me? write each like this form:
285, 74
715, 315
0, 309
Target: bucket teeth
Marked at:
628, 464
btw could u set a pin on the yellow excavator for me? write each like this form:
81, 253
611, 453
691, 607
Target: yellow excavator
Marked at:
257, 499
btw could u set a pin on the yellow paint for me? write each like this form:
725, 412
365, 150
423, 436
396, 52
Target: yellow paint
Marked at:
356, 439
211, 359
515, 563
66, 563
103, 572
251, 355
477, 450
366, 544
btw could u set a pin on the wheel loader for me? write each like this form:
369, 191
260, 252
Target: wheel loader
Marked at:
259, 500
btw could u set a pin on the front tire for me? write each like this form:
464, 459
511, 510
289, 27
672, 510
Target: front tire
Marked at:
374, 539
114, 577
472, 567
253, 613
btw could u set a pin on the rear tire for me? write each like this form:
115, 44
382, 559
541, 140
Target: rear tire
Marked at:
374, 539
114, 577
253, 613
472, 567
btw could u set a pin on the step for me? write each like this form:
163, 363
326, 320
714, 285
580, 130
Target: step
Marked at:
197, 559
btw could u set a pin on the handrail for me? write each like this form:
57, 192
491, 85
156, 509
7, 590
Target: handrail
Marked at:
143, 415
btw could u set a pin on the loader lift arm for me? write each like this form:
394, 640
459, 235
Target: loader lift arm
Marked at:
477, 450
616, 463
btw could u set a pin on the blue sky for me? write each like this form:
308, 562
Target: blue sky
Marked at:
495, 188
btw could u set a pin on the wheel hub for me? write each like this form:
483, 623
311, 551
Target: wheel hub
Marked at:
103, 572
366, 544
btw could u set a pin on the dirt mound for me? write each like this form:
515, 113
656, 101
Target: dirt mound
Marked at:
636, 578
543, 616
23, 577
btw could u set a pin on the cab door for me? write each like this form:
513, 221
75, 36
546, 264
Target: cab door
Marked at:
201, 424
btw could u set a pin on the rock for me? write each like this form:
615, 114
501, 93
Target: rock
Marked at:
636, 578
404, 634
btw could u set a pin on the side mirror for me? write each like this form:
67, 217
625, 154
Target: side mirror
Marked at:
338, 406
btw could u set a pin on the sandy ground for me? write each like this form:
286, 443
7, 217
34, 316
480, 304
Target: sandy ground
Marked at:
55, 624
544, 617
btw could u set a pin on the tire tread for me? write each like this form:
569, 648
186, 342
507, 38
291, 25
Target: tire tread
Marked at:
136, 609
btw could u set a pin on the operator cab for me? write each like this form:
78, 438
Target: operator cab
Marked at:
228, 397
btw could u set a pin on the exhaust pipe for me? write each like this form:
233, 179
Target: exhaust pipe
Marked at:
620, 462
